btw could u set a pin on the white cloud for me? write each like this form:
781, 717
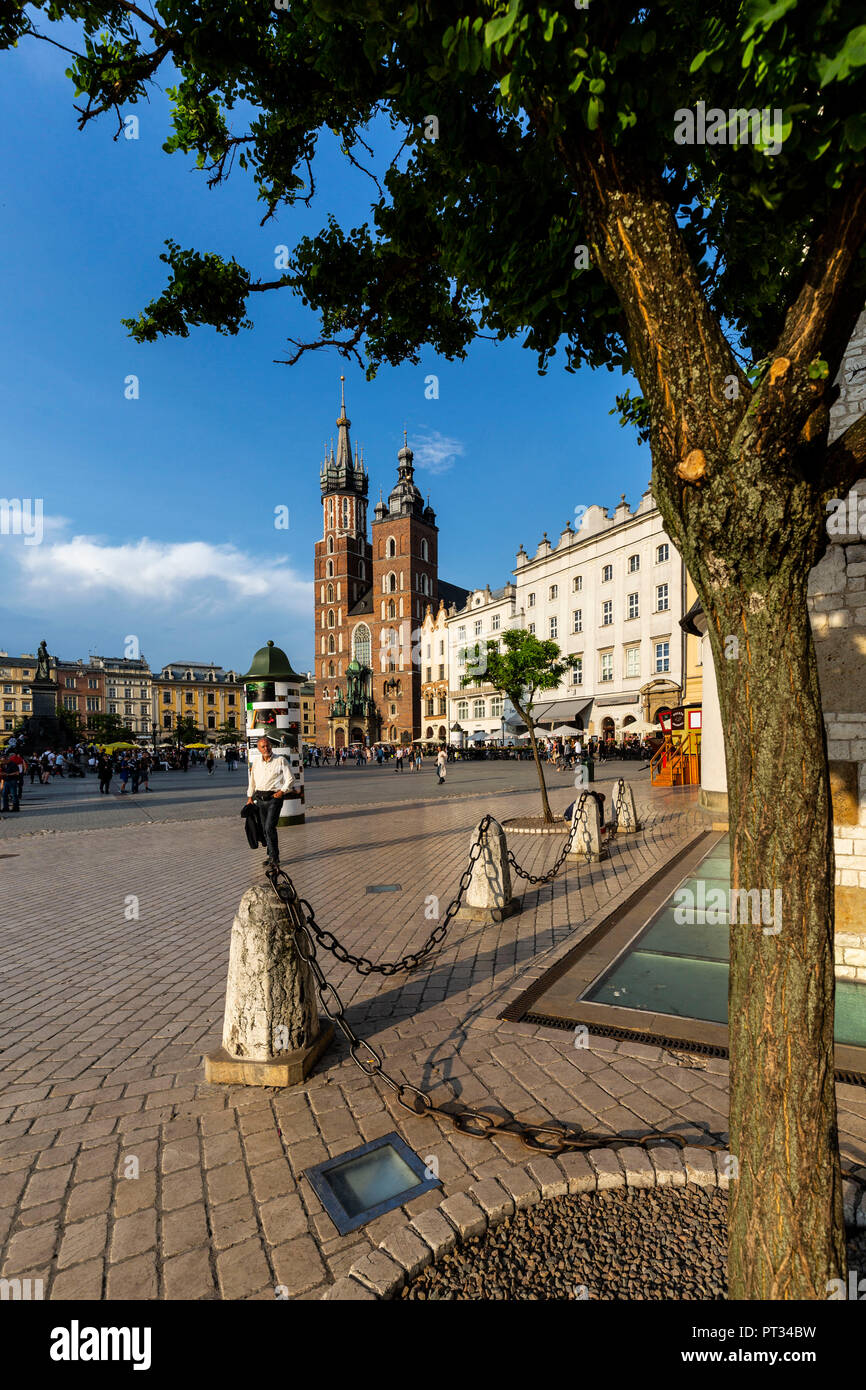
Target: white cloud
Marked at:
435, 452
194, 573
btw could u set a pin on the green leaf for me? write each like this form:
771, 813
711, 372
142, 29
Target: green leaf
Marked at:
496, 29
855, 132
593, 111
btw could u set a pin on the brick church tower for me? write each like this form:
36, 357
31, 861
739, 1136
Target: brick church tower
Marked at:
370, 601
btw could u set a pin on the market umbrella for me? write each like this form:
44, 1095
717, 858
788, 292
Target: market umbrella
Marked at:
118, 747
565, 731
197, 745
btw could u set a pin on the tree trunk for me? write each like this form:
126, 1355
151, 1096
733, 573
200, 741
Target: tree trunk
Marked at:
545, 804
786, 1231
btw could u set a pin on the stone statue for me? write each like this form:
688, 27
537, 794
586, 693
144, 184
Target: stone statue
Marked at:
42, 673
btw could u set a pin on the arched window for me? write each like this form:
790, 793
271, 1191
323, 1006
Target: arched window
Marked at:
330, 617
329, 570
392, 583
331, 671
362, 570
345, 512
331, 647
325, 695
330, 545
392, 546
425, 550
392, 609
330, 593
361, 645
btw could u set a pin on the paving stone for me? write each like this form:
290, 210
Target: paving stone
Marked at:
438, 1233
134, 1194
700, 1168
521, 1188
189, 1276
639, 1172
349, 1290
134, 1279
82, 1281
283, 1219
298, 1265
184, 1230
408, 1249
550, 1178
579, 1172
669, 1165
243, 1269
380, 1273
82, 1241
88, 1198
30, 1249
233, 1222
493, 1200
608, 1170
466, 1216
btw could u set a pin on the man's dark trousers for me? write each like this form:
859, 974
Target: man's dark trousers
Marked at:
269, 814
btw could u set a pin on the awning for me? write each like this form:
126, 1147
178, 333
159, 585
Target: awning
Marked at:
560, 711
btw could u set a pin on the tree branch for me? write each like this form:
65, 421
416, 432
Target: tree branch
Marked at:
845, 460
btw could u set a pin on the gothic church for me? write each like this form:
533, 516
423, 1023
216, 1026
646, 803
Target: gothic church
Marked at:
370, 600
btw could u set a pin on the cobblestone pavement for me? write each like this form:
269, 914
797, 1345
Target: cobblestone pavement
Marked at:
106, 1015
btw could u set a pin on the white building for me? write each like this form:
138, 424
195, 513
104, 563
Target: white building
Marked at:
611, 593
476, 710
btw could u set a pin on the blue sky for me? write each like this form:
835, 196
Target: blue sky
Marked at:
159, 512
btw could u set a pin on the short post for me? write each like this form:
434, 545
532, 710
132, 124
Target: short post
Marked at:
587, 842
488, 897
624, 809
272, 1034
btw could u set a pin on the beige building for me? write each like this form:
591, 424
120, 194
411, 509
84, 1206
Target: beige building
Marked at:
477, 710
308, 710
16, 673
433, 659
207, 694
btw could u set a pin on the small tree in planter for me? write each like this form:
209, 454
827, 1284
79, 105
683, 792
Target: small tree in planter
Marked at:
520, 666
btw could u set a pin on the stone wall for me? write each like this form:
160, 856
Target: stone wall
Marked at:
837, 603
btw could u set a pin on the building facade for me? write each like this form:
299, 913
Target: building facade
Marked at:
127, 685
610, 593
81, 689
477, 709
16, 673
209, 695
370, 600
308, 710
434, 657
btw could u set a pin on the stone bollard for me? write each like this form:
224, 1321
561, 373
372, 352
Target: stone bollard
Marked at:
488, 898
624, 809
272, 1033
587, 816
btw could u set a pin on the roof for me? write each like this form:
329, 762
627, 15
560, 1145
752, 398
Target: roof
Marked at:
363, 605
453, 593
270, 663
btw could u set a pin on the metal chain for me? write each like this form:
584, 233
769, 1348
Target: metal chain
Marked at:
551, 873
552, 1138
412, 959
622, 807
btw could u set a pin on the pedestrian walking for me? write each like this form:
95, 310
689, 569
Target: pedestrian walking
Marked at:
8, 787
269, 782
398, 760
105, 772
441, 764
210, 762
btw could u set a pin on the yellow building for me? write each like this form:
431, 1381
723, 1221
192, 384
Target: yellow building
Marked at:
16, 673
208, 695
308, 712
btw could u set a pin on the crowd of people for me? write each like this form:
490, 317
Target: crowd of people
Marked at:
131, 767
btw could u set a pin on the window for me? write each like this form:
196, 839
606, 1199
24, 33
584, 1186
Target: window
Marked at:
166, 721
329, 569
662, 603
362, 645
112, 709
663, 657
632, 661
477, 627
330, 617
477, 709
494, 623
462, 709
332, 646
553, 591
189, 697
392, 547
554, 627
662, 553
443, 704
7, 690
530, 600
441, 648
362, 570
112, 690
532, 627
441, 673
607, 574
211, 721
392, 609
461, 657
633, 563
425, 550
232, 699
429, 675
496, 707
577, 583
577, 672
211, 698
633, 606
331, 543
93, 684
330, 593
461, 634
10, 704
430, 706
577, 620
25, 705
607, 612
607, 666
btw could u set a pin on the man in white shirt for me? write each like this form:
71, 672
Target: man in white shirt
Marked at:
269, 781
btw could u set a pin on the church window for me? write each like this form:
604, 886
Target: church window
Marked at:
392, 583
331, 647
362, 570
361, 645
345, 512
392, 609
331, 670
425, 550
329, 570
330, 545
392, 547
330, 522
330, 617
330, 593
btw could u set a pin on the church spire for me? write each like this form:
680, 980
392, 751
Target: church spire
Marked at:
340, 472
344, 447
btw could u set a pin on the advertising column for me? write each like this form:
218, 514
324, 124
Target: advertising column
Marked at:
273, 709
